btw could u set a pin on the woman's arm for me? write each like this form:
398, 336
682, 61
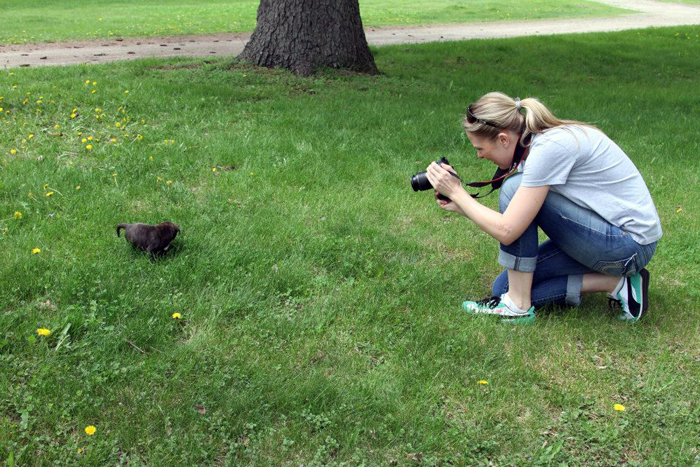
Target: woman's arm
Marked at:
506, 227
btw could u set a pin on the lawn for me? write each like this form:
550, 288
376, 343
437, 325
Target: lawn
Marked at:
319, 296
55, 20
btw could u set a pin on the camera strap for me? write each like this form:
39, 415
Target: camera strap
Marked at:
521, 152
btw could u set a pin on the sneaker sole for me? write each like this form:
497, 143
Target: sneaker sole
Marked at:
522, 320
639, 284
471, 311
627, 318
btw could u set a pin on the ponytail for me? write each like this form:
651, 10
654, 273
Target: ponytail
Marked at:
496, 112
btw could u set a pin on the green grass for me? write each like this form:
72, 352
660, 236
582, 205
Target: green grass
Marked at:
320, 295
55, 20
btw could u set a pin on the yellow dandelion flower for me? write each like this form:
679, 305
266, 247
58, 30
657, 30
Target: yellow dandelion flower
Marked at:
119, 125
139, 137
88, 147
94, 83
619, 407
126, 92
172, 141
13, 151
90, 430
18, 215
57, 127
77, 188
89, 138
159, 179
169, 182
43, 332
177, 316
36, 251
0, 109
150, 158
50, 193
93, 91
87, 81
46, 185
84, 140
31, 135
113, 140
483, 381
678, 211
213, 169
73, 115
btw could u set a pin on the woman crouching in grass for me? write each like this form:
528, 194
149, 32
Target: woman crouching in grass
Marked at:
576, 185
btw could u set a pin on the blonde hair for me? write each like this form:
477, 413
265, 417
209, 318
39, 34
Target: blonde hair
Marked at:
495, 112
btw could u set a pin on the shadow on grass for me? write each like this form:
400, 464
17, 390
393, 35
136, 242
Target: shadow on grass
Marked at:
174, 250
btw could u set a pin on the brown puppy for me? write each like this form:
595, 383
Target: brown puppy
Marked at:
154, 239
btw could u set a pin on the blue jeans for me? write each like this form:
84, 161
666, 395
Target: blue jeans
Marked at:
580, 242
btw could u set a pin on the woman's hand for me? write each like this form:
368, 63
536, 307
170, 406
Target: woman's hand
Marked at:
447, 205
444, 183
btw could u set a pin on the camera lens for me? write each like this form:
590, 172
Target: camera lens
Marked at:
419, 182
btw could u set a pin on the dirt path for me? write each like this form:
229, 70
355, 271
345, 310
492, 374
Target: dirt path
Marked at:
647, 13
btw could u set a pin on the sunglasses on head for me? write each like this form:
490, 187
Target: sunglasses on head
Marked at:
471, 118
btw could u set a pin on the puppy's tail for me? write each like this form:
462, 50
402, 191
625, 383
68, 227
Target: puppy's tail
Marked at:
119, 227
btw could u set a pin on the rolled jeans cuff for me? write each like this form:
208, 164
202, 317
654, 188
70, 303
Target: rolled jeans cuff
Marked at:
516, 263
574, 283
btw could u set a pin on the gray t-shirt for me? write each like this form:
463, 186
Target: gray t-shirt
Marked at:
585, 166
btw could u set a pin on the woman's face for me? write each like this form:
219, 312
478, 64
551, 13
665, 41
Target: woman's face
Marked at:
499, 151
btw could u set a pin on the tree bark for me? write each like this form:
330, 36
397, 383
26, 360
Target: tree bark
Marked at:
303, 35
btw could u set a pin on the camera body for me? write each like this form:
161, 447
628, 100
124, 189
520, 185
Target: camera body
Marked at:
419, 181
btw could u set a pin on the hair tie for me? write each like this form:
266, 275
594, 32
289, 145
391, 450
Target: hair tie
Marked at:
517, 104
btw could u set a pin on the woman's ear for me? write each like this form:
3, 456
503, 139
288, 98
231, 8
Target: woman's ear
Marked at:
504, 139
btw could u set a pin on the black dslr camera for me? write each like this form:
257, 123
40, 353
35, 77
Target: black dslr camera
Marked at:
419, 181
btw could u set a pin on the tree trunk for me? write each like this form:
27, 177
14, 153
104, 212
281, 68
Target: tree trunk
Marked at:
302, 35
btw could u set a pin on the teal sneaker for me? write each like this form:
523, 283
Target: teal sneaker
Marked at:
501, 306
633, 296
